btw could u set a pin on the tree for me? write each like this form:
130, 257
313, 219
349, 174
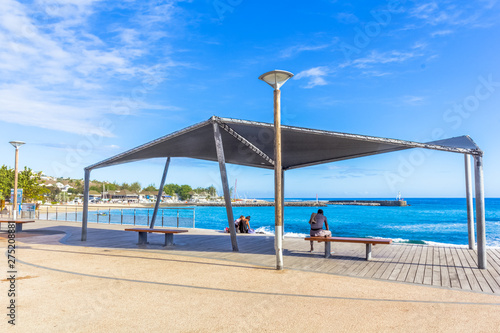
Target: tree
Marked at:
125, 186
151, 188
27, 180
171, 189
212, 191
6, 181
135, 187
184, 192
94, 188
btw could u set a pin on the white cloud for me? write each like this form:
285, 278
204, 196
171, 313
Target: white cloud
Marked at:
314, 75
441, 33
294, 50
413, 100
56, 71
347, 18
376, 57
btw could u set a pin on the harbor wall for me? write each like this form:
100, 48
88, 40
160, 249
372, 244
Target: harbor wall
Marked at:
394, 203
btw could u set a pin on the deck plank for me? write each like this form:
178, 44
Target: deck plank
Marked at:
428, 266
445, 274
462, 276
469, 269
436, 268
399, 265
412, 271
408, 264
452, 270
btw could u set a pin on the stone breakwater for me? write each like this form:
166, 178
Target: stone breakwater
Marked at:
264, 204
394, 203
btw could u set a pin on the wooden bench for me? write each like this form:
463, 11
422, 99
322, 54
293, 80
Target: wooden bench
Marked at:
169, 234
19, 223
368, 241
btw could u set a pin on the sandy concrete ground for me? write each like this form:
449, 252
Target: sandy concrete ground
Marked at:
62, 288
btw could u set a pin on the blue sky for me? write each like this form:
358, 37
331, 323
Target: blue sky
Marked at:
82, 80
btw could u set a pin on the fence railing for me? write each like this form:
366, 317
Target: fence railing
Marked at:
168, 216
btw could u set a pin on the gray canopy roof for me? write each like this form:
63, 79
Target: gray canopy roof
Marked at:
252, 144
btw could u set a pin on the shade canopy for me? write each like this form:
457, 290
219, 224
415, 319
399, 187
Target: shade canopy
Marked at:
251, 143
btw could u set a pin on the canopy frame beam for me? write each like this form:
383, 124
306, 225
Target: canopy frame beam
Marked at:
160, 193
225, 185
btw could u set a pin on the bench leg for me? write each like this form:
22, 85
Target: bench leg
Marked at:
143, 238
328, 247
19, 227
169, 239
368, 251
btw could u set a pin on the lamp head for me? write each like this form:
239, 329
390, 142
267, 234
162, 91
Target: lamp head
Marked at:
276, 78
17, 144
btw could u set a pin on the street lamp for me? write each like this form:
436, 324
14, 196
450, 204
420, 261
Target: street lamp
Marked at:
16, 145
276, 79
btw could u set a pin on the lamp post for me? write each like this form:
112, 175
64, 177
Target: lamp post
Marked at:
16, 145
276, 79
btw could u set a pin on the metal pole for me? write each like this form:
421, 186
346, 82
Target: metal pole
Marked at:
177, 218
162, 211
160, 193
470, 209
66, 214
14, 203
56, 213
109, 215
85, 212
121, 218
225, 186
134, 216
480, 216
278, 194
98, 215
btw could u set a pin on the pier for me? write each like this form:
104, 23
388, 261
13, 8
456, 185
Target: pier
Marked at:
393, 203
264, 204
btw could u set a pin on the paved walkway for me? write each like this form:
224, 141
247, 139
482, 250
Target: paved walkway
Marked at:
439, 266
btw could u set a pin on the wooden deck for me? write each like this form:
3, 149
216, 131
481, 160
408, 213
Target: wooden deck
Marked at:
440, 266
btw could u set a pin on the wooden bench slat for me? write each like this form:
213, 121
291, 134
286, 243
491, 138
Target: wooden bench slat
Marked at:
351, 240
162, 231
17, 221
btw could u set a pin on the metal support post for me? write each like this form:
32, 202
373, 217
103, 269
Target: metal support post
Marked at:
278, 194
225, 186
160, 193
480, 214
85, 213
470, 209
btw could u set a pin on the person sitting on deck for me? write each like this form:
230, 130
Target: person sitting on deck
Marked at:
317, 226
237, 223
245, 225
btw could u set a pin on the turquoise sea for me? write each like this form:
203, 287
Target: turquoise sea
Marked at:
424, 221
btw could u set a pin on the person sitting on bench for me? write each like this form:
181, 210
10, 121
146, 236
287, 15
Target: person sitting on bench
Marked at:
316, 222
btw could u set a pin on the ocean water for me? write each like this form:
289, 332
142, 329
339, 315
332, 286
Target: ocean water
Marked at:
430, 221
424, 221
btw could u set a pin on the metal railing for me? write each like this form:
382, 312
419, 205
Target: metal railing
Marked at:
166, 217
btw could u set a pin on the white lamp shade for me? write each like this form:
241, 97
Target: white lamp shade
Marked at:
16, 144
276, 78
